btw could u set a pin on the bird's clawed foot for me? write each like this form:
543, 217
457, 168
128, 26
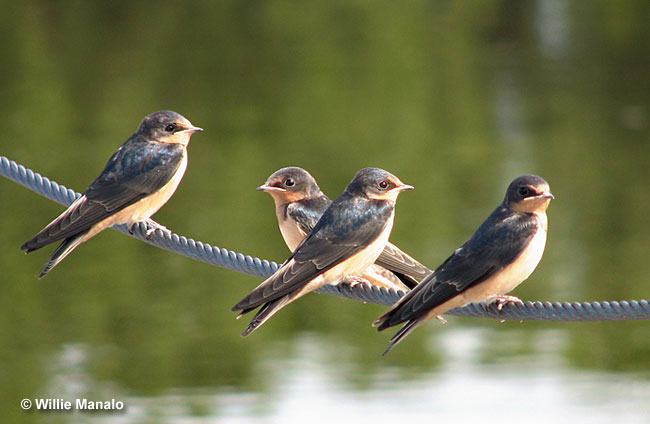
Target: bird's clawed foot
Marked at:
153, 226
503, 300
353, 280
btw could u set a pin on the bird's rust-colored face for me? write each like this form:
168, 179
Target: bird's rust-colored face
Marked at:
168, 127
385, 187
291, 184
530, 194
178, 132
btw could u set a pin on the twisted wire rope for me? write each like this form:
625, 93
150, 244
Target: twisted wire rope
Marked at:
527, 311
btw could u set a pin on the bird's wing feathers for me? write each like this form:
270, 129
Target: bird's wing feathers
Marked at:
340, 234
135, 172
393, 259
495, 244
307, 212
132, 173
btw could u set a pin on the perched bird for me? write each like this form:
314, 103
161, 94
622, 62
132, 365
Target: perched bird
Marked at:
138, 179
299, 204
501, 254
349, 237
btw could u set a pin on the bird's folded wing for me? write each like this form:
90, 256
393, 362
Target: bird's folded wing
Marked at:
307, 212
491, 249
393, 259
123, 182
327, 246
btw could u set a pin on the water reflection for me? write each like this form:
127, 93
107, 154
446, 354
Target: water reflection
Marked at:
455, 98
538, 385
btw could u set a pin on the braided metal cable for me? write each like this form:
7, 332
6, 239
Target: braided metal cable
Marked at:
527, 311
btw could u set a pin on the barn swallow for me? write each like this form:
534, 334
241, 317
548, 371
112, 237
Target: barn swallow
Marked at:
138, 179
501, 254
299, 204
348, 237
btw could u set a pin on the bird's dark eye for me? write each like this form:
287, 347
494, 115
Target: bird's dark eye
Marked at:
170, 128
524, 191
289, 182
383, 185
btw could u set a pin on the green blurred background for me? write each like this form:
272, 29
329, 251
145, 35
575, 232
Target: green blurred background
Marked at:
455, 98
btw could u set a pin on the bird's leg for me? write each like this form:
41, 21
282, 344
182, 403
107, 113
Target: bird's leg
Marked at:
155, 226
504, 299
131, 226
353, 280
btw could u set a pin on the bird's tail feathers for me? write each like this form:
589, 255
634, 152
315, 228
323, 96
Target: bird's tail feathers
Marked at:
265, 312
384, 320
62, 251
55, 230
403, 332
39, 240
244, 312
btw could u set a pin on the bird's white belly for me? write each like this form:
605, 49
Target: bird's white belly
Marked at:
355, 265
291, 232
512, 275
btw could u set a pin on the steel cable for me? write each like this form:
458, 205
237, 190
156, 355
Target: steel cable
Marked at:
527, 311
